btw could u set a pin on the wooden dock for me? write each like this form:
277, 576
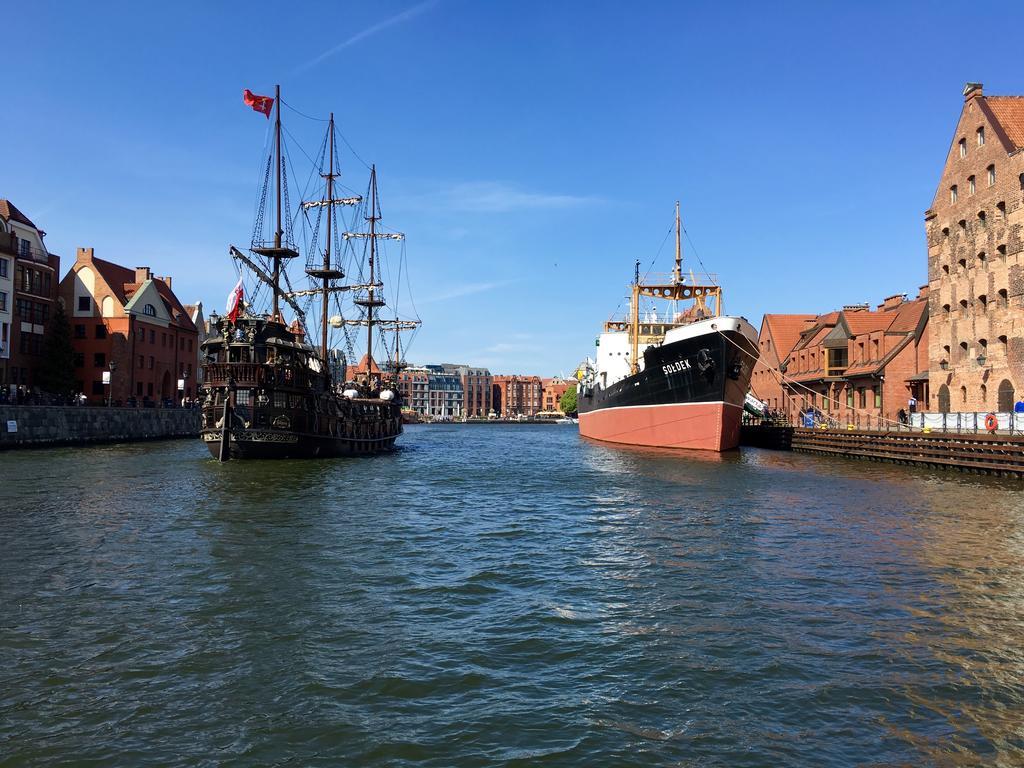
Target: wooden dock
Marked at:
994, 454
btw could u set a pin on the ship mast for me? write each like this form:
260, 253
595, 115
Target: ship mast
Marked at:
373, 252
677, 278
278, 232
327, 252
279, 250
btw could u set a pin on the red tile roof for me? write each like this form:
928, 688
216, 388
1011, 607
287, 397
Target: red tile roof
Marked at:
908, 316
867, 322
785, 331
122, 282
9, 211
1009, 111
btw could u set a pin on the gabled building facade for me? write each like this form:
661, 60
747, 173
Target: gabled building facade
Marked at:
129, 324
514, 396
975, 235
859, 366
30, 298
778, 335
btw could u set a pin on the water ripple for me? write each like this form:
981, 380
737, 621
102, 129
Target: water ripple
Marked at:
506, 596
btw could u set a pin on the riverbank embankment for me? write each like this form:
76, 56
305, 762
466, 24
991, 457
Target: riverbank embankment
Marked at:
994, 453
29, 426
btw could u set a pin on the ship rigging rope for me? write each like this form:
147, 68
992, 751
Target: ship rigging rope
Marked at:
303, 114
784, 379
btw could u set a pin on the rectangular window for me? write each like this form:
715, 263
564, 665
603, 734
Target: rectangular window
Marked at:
142, 363
981, 136
991, 175
971, 185
138, 388
878, 398
79, 331
3, 301
151, 362
963, 147
99, 360
4, 267
152, 339
862, 397
84, 303
101, 331
952, 194
24, 307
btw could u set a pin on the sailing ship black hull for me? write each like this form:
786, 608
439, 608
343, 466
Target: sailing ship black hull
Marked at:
281, 444
689, 394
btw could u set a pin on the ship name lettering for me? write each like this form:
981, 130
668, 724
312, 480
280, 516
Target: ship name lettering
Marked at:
676, 367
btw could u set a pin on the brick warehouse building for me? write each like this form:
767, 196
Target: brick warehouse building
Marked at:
130, 323
516, 396
975, 235
29, 302
860, 366
552, 390
779, 334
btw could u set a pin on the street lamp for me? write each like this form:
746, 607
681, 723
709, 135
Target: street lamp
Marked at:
110, 382
981, 359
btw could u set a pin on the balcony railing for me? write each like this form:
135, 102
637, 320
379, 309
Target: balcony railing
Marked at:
247, 375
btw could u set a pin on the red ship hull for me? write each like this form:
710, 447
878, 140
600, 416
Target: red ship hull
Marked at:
709, 426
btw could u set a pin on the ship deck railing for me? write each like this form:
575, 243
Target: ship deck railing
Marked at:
256, 375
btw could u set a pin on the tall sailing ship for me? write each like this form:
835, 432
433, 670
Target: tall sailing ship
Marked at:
672, 380
268, 392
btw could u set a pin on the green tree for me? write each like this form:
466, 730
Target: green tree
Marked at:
568, 402
57, 372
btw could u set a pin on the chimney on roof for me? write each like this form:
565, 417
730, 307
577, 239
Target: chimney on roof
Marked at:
142, 274
972, 90
167, 280
891, 302
84, 254
922, 292
856, 307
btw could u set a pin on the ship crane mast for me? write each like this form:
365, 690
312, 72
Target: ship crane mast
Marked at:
674, 291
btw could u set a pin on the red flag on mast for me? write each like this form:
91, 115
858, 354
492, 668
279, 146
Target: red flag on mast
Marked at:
259, 103
235, 301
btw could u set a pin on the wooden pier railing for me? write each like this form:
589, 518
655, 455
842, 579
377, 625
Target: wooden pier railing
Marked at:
984, 453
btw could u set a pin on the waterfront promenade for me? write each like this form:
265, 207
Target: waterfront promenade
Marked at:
562, 603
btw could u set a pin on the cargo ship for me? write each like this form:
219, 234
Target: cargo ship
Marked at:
674, 379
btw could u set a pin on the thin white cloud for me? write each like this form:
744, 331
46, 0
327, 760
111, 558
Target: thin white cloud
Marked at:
467, 289
499, 197
373, 29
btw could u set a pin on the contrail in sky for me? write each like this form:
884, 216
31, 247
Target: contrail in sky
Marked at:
398, 18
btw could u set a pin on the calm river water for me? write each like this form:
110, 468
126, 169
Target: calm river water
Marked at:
506, 595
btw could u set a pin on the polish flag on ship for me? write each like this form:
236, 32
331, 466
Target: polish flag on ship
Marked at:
235, 301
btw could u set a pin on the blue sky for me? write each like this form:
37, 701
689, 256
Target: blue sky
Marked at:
531, 151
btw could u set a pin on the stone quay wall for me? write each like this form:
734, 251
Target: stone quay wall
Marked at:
38, 426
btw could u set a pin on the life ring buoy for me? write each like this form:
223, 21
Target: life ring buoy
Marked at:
991, 422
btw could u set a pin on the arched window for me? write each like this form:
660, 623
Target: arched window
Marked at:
963, 395
945, 308
971, 185
963, 147
1003, 298
945, 269
983, 300
963, 305
962, 263
984, 395
963, 350
982, 257
150, 310
1005, 396
981, 218
981, 136
943, 399
952, 194
991, 175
